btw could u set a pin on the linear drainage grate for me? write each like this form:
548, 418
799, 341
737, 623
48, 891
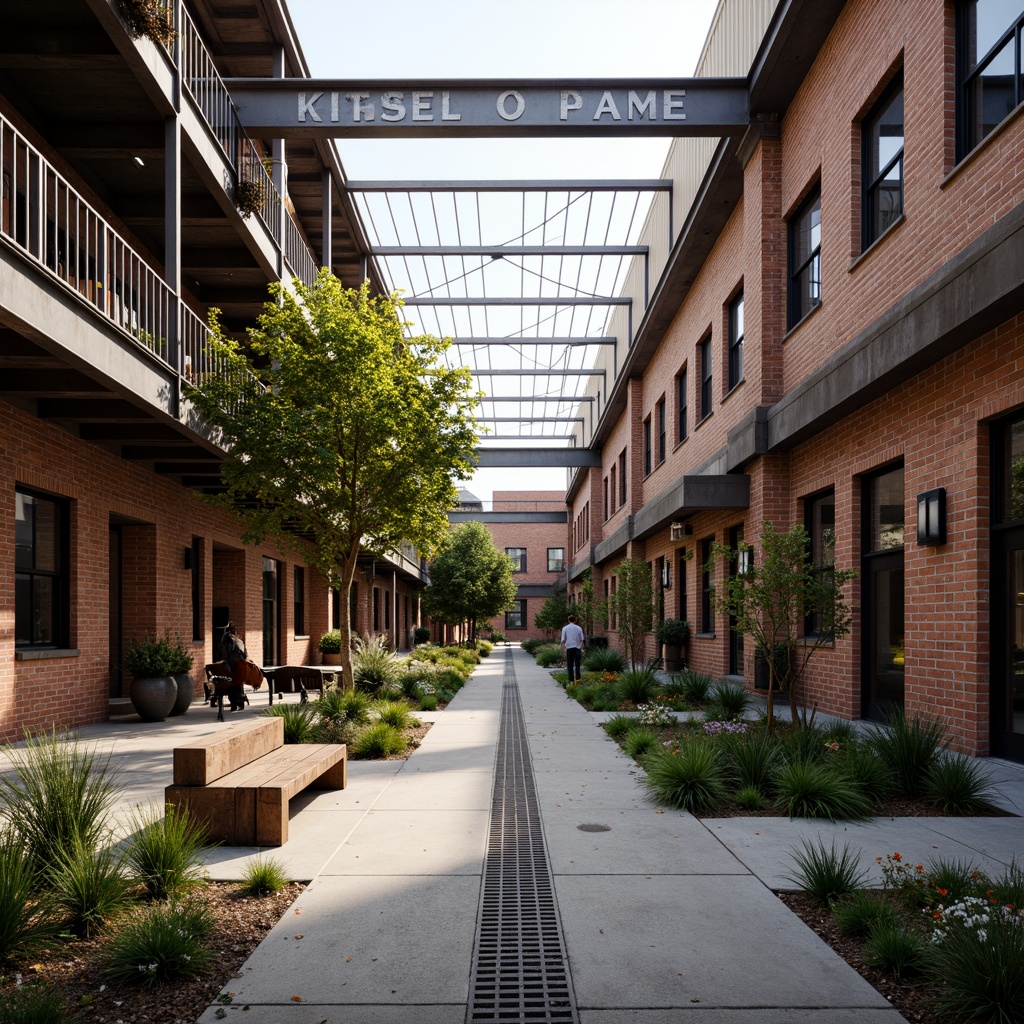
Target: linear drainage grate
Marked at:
519, 970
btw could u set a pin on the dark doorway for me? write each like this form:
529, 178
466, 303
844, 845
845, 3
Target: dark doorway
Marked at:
271, 604
115, 610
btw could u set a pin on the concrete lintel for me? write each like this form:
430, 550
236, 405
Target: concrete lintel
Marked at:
535, 589
692, 494
508, 517
504, 457
615, 544
749, 438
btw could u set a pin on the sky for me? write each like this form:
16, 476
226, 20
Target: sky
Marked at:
525, 39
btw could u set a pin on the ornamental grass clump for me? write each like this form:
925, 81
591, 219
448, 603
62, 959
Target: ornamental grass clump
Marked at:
299, 720
165, 851
637, 685
548, 655
826, 873
856, 912
90, 886
603, 659
262, 876
695, 687
380, 740
26, 918
34, 1004
958, 785
752, 760
395, 713
863, 767
691, 779
750, 799
732, 698
897, 949
805, 789
640, 742
349, 705
59, 792
909, 747
374, 665
619, 726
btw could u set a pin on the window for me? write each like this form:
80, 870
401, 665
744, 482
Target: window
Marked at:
613, 610
41, 616
886, 511
615, 491
518, 555
556, 559
647, 446
735, 636
515, 617
989, 68
682, 610
195, 564
883, 163
707, 618
820, 522
659, 412
736, 341
681, 404
299, 598
607, 507
660, 586
607, 605
622, 477
805, 259
704, 350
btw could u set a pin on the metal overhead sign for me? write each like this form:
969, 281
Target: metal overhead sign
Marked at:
290, 108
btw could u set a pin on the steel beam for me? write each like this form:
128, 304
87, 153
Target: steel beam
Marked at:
509, 300
500, 251
546, 398
530, 457
518, 185
567, 342
529, 419
476, 372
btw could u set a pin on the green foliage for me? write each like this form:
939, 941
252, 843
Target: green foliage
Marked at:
909, 748
166, 943
750, 799
732, 697
857, 911
470, 578
806, 744
429, 702
375, 667
618, 726
149, 657
603, 659
674, 632
330, 642
946, 881
826, 874
60, 793
378, 740
531, 643
352, 438
640, 741
90, 885
548, 655
634, 606
417, 681
497, 636
696, 687
165, 850
637, 685
26, 923
589, 609
347, 705
806, 789
862, 766
484, 648
263, 875
420, 635
896, 949
958, 785
753, 759
770, 599
553, 614
298, 721
692, 779
450, 678
33, 1004
394, 713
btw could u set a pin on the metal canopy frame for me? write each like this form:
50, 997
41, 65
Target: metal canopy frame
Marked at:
525, 278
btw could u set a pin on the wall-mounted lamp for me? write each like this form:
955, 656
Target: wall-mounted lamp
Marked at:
931, 516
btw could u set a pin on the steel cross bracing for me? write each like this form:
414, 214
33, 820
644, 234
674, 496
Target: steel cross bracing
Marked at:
526, 278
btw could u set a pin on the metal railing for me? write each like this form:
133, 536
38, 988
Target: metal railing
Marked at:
200, 77
296, 252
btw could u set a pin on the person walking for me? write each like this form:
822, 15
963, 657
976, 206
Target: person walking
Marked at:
573, 640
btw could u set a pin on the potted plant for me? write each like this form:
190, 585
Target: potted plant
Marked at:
330, 647
150, 18
249, 197
672, 634
181, 671
153, 691
420, 635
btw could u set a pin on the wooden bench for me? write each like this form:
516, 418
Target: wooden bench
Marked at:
238, 781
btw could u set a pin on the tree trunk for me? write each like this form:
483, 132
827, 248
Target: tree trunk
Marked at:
348, 572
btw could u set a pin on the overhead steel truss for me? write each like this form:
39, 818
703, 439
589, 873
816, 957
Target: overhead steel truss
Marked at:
539, 266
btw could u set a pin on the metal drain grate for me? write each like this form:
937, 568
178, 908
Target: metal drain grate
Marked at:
519, 970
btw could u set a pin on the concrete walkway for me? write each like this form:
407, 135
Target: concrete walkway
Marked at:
664, 918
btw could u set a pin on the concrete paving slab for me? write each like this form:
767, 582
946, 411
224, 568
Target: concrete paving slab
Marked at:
638, 842
665, 941
589, 790
425, 842
454, 791
1008, 779
331, 1013
765, 845
388, 940
695, 1014
453, 757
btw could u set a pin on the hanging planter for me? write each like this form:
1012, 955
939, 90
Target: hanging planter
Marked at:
249, 197
150, 18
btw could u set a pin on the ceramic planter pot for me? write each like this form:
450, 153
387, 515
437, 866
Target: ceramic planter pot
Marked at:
153, 697
186, 693
673, 657
332, 659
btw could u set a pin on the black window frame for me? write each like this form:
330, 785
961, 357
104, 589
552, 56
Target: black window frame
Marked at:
707, 612
623, 492
515, 617
59, 622
820, 548
520, 560
560, 567
795, 308
299, 600
736, 335
871, 230
683, 407
968, 137
706, 377
660, 418
648, 453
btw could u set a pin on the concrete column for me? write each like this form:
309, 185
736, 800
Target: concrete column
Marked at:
280, 177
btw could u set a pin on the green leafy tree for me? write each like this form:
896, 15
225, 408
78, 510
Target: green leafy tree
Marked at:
590, 610
770, 600
634, 607
348, 439
553, 614
471, 581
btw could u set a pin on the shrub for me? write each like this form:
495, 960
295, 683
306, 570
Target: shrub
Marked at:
637, 685
750, 799
374, 666
428, 702
950, 880
655, 714
752, 760
857, 911
640, 741
380, 740
349, 705
805, 743
531, 643
330, 642
395, 713
450, 679
603, 659
602, 701
298, 720
865, 769
89, 884
958, 785
826, 874
619, 725
420, 635
150, 657
59, 793
416, 682
165, 851
497, 637
166, 943
732, 697
909, 748
896, 949
262, 876
26, 922
548, 655
808, 790
33, 1004
692, 779
696, 687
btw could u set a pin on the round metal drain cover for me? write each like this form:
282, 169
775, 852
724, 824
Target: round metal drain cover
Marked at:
594, 828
